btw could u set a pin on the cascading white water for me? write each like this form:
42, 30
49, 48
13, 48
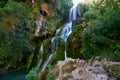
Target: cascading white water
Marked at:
41, 58
47, 61
53, 45
53, 50
73, 13
66, 30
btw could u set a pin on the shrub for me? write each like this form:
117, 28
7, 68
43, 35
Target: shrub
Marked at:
101, 37
91, 15
18, 12
49, 76
2, 3
113, 70
16, 18
32, 74
40, 2
63, 8
85, 7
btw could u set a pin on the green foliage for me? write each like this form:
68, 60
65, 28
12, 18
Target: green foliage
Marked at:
91, 15
40, 2
59, 54
63, 3
18, 10
11, 47
63, 8
2, 3
15, 38
32, 74
84, 7
101, 37
49, 76
113, 70
74, 42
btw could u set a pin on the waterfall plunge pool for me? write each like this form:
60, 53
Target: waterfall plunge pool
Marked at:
13, 75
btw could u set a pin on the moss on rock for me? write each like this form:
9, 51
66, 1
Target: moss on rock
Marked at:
74, 43
59, 54
114, 70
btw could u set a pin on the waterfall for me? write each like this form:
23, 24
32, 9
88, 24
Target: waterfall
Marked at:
46, 62
73, 13
63, 34
67, 30
54, 45
41, 58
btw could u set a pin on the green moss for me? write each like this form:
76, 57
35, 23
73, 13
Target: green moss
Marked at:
49, 76
114, 70
59, 55
59, 24
32, 74
46, 48
74, 43
42, 75
33, 58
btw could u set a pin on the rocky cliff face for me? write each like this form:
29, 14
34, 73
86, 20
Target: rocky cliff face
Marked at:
76, 69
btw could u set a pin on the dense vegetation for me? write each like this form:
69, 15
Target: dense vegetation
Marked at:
97, 33
102, 36
14, 36
17, 27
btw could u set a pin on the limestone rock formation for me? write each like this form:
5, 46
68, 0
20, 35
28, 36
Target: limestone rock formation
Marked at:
76, 69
